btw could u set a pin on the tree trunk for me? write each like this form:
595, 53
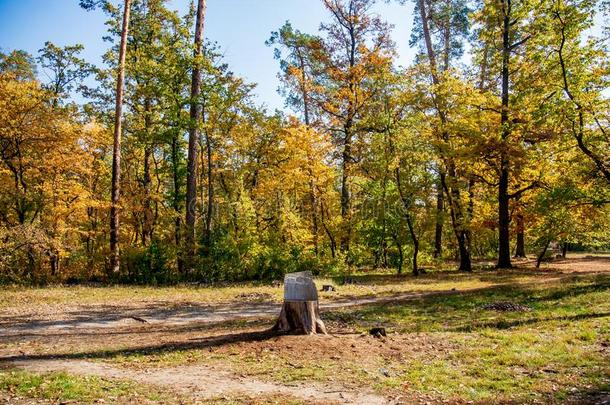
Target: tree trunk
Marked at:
503, 197
312, 190
457, 219
54, 263
463, 244
331, 238
195, 115
438, 233
314, 213
304, 88
452, 192
146, 206
176, 200
407, 204
147, 222
564, 249
415, 245
542, 253
400, 252
428, 40
381, 250
520, 249
115, 263
210, 204
346, 215
503, 220
438, 236
345, 195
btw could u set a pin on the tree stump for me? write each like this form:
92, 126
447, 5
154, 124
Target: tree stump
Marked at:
300, 313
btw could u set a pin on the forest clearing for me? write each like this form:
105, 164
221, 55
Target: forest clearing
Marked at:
305, 201
449, 340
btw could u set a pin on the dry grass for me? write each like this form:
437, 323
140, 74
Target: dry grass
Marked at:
440, 347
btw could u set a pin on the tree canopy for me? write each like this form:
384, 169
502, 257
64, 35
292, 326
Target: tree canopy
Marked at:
493, 142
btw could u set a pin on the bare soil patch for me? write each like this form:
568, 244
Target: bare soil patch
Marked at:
202, 382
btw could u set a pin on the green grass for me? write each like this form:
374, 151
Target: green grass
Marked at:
59, 387
447, 346
552, 351
571, 300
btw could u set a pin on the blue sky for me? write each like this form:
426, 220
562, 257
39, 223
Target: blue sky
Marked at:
240, 27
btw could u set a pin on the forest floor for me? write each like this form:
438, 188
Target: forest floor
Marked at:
493, 336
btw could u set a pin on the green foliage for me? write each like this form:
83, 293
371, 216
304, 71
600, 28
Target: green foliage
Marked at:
450, 19
18, 63
149, 265
249, 260
63, 67
352, 184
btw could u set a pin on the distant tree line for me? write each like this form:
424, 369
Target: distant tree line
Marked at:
493, 143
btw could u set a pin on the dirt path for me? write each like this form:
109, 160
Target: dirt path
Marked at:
201, 382
108, 316
116, 317
92, 317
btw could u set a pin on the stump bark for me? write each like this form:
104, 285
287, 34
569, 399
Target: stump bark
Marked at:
300, 317
300, 313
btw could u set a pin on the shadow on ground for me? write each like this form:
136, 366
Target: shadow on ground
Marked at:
198, 343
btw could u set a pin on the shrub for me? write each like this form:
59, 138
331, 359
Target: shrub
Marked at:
150, 265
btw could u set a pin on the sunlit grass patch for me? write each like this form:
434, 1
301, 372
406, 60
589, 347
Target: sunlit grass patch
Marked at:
378, 283
66, 387
549, 351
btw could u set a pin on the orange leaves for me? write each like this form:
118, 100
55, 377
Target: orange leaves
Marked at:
45, 164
